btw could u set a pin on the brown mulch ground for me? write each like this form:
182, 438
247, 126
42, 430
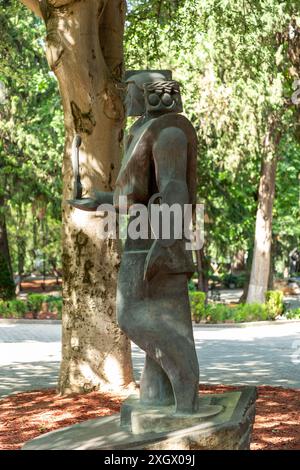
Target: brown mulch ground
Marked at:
40, 286
26, 415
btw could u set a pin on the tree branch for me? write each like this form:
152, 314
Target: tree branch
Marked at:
33, 5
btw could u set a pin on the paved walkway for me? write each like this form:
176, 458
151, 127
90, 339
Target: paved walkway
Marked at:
29, 356
264, 354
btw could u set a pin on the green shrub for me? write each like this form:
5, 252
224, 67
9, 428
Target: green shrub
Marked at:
229, 279
13, 309
192, 286
293, 314
274, 304
237, 279
7, 285
219, 313
197, 302
216, 313
215, 279
34, 303
55, 305
3, 309
250, 312
241, 280
16, 308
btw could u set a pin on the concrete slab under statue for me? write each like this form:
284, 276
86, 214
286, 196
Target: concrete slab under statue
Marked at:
158, 169
159, 429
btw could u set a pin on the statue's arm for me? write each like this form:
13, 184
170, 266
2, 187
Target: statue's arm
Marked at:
91, 204
170, 159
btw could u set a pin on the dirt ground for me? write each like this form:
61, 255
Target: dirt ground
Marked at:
27, 415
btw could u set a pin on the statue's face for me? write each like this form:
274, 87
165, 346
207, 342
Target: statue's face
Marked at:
163, 97
135, 98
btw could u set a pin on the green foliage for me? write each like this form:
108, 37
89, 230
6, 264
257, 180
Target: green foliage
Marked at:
13, 309
55, 305
216, 313
3, 308
274, 304
238, 280
293, 314
7, 286
220, 313
191, 285
18, 308
241, 313
197, 302
31, 139
250, 312
235, 74
34, 302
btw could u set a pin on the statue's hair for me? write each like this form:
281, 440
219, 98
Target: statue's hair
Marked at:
161, 87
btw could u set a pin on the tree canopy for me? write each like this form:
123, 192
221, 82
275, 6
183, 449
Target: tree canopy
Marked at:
232, 59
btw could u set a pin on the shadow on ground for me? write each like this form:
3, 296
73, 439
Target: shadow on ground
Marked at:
19, 377
244, 356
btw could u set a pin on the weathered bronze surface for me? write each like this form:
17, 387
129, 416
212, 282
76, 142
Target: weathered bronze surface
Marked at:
152, 299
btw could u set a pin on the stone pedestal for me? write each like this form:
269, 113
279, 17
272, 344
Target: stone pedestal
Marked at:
227, 426
140, 418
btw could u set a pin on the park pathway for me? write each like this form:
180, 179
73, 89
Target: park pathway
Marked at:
255, 355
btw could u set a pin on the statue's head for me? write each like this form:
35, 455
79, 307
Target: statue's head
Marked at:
153, 92
162, 97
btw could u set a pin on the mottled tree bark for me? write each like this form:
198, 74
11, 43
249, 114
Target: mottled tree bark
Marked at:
7, 285
85, 51
202, 269
260, 270
244, 295
4, 247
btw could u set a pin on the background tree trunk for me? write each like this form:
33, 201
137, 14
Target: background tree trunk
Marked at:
7, 285
244, 295
85, 51
260, 270
272, 264
202, 269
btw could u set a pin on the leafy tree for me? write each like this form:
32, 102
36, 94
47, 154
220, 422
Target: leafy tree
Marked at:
237, 88
31, 129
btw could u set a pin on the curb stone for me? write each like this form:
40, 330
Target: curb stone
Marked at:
244, 325
4, 321
7, 321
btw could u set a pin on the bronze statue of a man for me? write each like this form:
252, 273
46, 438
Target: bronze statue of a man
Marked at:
152, 299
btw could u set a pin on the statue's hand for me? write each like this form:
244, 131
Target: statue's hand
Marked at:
155, 260
84, 204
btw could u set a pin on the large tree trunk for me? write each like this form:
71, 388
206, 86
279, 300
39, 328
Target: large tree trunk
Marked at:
260, 270
85, 51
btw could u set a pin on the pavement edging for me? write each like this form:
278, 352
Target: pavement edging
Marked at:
4, 321
245, 325
8, 321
